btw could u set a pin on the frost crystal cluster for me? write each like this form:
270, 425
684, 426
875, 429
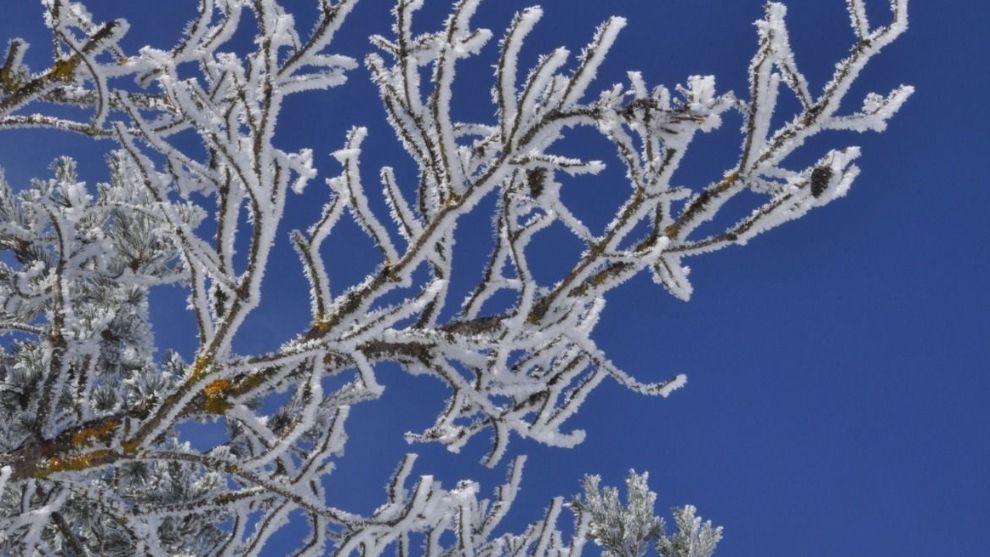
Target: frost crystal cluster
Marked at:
628, 531
90, 461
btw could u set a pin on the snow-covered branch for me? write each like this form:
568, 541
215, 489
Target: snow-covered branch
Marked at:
90, 413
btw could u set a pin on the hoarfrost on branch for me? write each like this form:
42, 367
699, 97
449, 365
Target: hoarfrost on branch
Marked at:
90, 454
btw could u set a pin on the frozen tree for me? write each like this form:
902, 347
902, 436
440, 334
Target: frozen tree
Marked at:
90, 403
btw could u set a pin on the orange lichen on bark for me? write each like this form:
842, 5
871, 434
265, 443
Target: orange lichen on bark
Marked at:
217, 388
74, 463
130, 446
85, 437
64, 70
199, 369
216, 405
216, 393
250, 381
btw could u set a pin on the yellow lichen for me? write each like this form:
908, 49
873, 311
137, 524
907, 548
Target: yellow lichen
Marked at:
9, 81
74, 463
130, 446
250, 382
217, 388
199, 369
215, 393
85, 437
216, 405
64, 70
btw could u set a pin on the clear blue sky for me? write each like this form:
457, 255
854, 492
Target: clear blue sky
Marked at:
838, 366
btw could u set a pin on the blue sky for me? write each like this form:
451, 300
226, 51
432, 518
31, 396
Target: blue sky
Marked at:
838, 366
